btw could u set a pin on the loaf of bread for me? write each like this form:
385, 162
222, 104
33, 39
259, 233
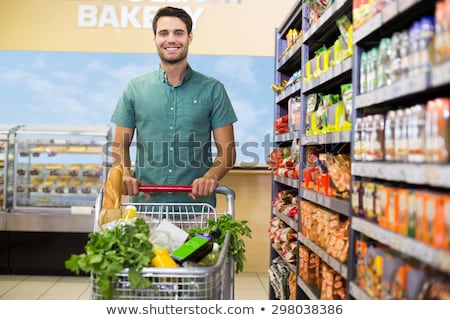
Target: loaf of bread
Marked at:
112, 194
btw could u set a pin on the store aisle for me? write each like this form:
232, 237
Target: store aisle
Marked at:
248, 286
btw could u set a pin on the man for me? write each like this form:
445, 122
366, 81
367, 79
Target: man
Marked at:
173, 111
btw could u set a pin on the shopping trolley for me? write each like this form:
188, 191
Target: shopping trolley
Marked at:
215, 282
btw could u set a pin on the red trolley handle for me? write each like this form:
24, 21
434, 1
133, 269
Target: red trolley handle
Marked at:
164, 188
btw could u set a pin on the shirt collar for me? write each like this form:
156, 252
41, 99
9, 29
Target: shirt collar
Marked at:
187, 75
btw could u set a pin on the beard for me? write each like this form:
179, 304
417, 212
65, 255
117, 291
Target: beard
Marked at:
172, 59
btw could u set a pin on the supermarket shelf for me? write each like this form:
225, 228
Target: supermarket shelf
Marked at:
436, 258
292, 58
440, 74
328, 76
435, 175
337, 205
311, 292
291, 18
358, 293
328, 19
399, 89
422, 82
286, 136
287, 181
289, 92
406, 4
338, 266
328, 138
288, 220
289, 265
376, 22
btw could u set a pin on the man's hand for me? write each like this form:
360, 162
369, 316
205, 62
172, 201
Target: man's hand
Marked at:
130, 186
204, 186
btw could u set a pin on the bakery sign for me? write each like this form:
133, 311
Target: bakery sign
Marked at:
225, 27
135, 13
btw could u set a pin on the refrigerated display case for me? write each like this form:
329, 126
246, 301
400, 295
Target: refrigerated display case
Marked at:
57, 171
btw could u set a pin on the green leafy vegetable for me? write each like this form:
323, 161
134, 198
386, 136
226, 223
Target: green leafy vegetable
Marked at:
237, 229
110, 251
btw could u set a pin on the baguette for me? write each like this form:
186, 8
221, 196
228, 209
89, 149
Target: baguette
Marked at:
112, 195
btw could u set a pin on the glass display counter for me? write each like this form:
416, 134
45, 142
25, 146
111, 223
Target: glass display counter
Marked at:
57, 172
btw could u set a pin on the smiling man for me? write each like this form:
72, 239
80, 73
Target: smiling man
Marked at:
173, 111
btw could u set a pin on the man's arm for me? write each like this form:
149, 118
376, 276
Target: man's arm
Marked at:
224, 161
121, 151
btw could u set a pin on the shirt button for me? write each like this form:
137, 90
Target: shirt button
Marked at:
171, 108
170, 170
171, 148
171, 127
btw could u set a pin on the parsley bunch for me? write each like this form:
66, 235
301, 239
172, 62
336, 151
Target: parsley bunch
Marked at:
237, 229
110, 251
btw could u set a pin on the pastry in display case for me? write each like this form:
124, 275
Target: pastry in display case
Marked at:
58, 168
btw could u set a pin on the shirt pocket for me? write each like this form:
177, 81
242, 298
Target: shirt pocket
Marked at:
196, 116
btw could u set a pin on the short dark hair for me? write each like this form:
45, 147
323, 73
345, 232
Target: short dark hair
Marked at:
173, 12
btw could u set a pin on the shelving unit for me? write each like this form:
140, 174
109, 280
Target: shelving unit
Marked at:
322, 33
424, 176
288, 62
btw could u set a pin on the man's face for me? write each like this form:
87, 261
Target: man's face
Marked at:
172, 40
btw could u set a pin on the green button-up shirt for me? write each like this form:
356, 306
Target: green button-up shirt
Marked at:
173, 128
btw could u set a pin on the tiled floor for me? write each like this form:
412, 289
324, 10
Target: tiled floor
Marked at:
248, 286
